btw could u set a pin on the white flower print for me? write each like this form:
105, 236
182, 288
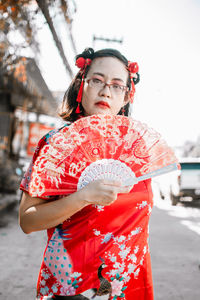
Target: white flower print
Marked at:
112, 257
131, 268
123, 254
136, 231
126, 277
116, 265
44, 290
68, 290
96, 232
136, 249
120, 239
132, 257
43, 282
45, 275
112, 272
75, 275
54, 288
149, 210
136, 273
99, 207
145, 250
142, 260
122, 246
142, 205
119, 268
108, 236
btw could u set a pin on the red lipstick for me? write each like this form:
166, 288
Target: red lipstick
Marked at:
103, 104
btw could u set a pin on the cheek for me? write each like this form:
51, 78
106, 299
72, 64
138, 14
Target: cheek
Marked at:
88, 94
121, 101
87, 99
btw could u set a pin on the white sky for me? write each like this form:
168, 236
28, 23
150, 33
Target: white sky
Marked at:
163, 36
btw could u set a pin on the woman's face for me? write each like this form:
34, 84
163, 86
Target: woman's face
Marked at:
101, 99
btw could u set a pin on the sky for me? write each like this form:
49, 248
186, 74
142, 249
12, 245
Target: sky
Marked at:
163, 36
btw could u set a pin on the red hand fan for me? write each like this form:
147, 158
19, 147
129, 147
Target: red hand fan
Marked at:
97, 147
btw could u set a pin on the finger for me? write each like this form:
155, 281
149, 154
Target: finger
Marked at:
125, 189
112, 182
108, 202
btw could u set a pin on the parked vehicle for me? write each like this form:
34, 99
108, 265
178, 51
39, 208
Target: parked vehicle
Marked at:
187, 184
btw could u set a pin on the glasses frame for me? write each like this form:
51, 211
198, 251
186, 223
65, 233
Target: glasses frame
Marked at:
125, 88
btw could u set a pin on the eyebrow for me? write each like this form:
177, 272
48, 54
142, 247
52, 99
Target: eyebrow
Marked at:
101, 74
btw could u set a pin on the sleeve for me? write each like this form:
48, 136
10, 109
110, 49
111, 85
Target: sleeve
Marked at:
31, 182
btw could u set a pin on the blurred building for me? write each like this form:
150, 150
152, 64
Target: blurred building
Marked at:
24, 96
192, 149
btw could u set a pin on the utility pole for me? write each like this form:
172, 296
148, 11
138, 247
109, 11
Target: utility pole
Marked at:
108, 40
44, 8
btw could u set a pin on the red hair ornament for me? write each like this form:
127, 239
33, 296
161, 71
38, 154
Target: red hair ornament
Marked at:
81, 63
133, 69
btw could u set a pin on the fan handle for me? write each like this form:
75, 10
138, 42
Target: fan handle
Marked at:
164, 170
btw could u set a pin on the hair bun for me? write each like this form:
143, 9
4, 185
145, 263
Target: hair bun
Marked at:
87, 53
136, 79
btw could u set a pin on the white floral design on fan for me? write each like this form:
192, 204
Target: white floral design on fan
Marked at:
106, 169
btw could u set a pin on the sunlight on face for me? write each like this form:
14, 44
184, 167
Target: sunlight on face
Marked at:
102, 100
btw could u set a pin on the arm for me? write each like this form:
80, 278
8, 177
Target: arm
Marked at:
37, 214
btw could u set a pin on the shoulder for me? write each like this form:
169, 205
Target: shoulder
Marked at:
45, 139
53, 132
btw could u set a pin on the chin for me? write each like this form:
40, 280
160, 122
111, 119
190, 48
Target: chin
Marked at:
103, 111
98, 112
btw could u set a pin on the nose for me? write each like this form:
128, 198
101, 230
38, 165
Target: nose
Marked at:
105, 91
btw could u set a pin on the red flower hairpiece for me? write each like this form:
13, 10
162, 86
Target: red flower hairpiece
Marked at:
81, 63
133, 69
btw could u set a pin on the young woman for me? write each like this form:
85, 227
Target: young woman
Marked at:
93, 252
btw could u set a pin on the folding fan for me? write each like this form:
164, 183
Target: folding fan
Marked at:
97, 147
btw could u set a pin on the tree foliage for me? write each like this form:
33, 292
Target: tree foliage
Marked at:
18, 18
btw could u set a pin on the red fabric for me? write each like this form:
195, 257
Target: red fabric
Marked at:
114, 237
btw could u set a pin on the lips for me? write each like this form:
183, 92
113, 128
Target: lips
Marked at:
102, 104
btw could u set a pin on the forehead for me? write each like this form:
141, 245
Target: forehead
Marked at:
110, 67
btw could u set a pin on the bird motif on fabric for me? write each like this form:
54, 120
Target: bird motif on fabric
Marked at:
105, 285
104, 289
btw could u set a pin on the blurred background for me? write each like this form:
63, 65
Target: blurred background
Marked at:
38, 42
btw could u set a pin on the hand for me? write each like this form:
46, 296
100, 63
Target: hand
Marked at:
102, 192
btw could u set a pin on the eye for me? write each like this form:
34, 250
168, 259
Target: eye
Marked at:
117, 86
96, 80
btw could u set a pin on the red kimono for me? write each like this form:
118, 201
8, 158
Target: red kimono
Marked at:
102, 250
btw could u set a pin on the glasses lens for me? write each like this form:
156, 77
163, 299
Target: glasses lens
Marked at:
96, 83
117, 89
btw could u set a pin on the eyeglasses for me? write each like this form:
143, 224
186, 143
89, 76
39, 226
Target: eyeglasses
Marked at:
99, 84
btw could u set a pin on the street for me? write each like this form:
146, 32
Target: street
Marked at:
175, 251
174, 244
